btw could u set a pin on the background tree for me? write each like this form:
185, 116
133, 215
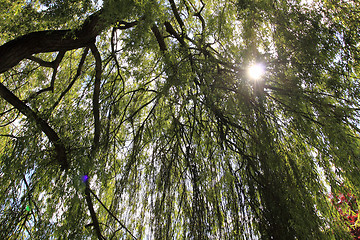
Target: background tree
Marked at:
137, 119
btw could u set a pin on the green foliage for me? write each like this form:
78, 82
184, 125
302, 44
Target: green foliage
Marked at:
190, 147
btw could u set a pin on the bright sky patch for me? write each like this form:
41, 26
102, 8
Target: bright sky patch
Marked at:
256, 71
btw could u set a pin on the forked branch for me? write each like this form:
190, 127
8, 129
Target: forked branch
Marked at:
41, 62
170, 29
77, 75
54, 64
95, 221
11, 53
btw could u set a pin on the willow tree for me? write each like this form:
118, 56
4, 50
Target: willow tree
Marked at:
128, 119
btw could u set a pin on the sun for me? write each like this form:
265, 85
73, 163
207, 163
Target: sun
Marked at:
256, 71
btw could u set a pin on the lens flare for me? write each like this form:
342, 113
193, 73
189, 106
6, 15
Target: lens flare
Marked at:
256, 71
84, 178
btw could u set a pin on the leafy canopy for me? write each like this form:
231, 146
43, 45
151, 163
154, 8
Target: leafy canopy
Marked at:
137, 119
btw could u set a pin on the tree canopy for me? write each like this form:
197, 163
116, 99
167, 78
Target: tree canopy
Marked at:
137, 119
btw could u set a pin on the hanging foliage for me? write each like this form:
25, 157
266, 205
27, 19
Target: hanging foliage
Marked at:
178, 119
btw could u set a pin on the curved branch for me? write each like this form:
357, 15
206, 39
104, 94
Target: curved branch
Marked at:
11, 53
44, 126
57, 61
55, 65
41, 62
78, 72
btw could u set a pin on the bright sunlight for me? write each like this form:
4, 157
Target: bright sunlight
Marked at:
256, 71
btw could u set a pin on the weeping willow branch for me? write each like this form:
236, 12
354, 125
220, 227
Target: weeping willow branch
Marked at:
55, 65
41, 62
170, 29
177, 15
112, 215
96, 95
57, 61
77, 75
94, 219
44, 126
11, 53
159, 38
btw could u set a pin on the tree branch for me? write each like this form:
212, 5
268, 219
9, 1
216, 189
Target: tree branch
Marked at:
159, 38
44, 126
95, 222
41, 62
177, 15
57, 61
78, 72
172, 31
11, 53
54, 64
112, 215
96, 95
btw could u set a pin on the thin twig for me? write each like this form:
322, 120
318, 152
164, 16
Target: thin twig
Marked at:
78, 72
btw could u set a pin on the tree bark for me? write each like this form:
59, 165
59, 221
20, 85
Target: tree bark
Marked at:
44, 126
95, 221
12, 52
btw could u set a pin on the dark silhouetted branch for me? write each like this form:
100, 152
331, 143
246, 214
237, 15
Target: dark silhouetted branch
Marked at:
112, 215
57, 61
77, 75
54, 64
41, 62
159, 38
95, 222
12, 52
96, 94
44, 126
172, 31
177, 15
